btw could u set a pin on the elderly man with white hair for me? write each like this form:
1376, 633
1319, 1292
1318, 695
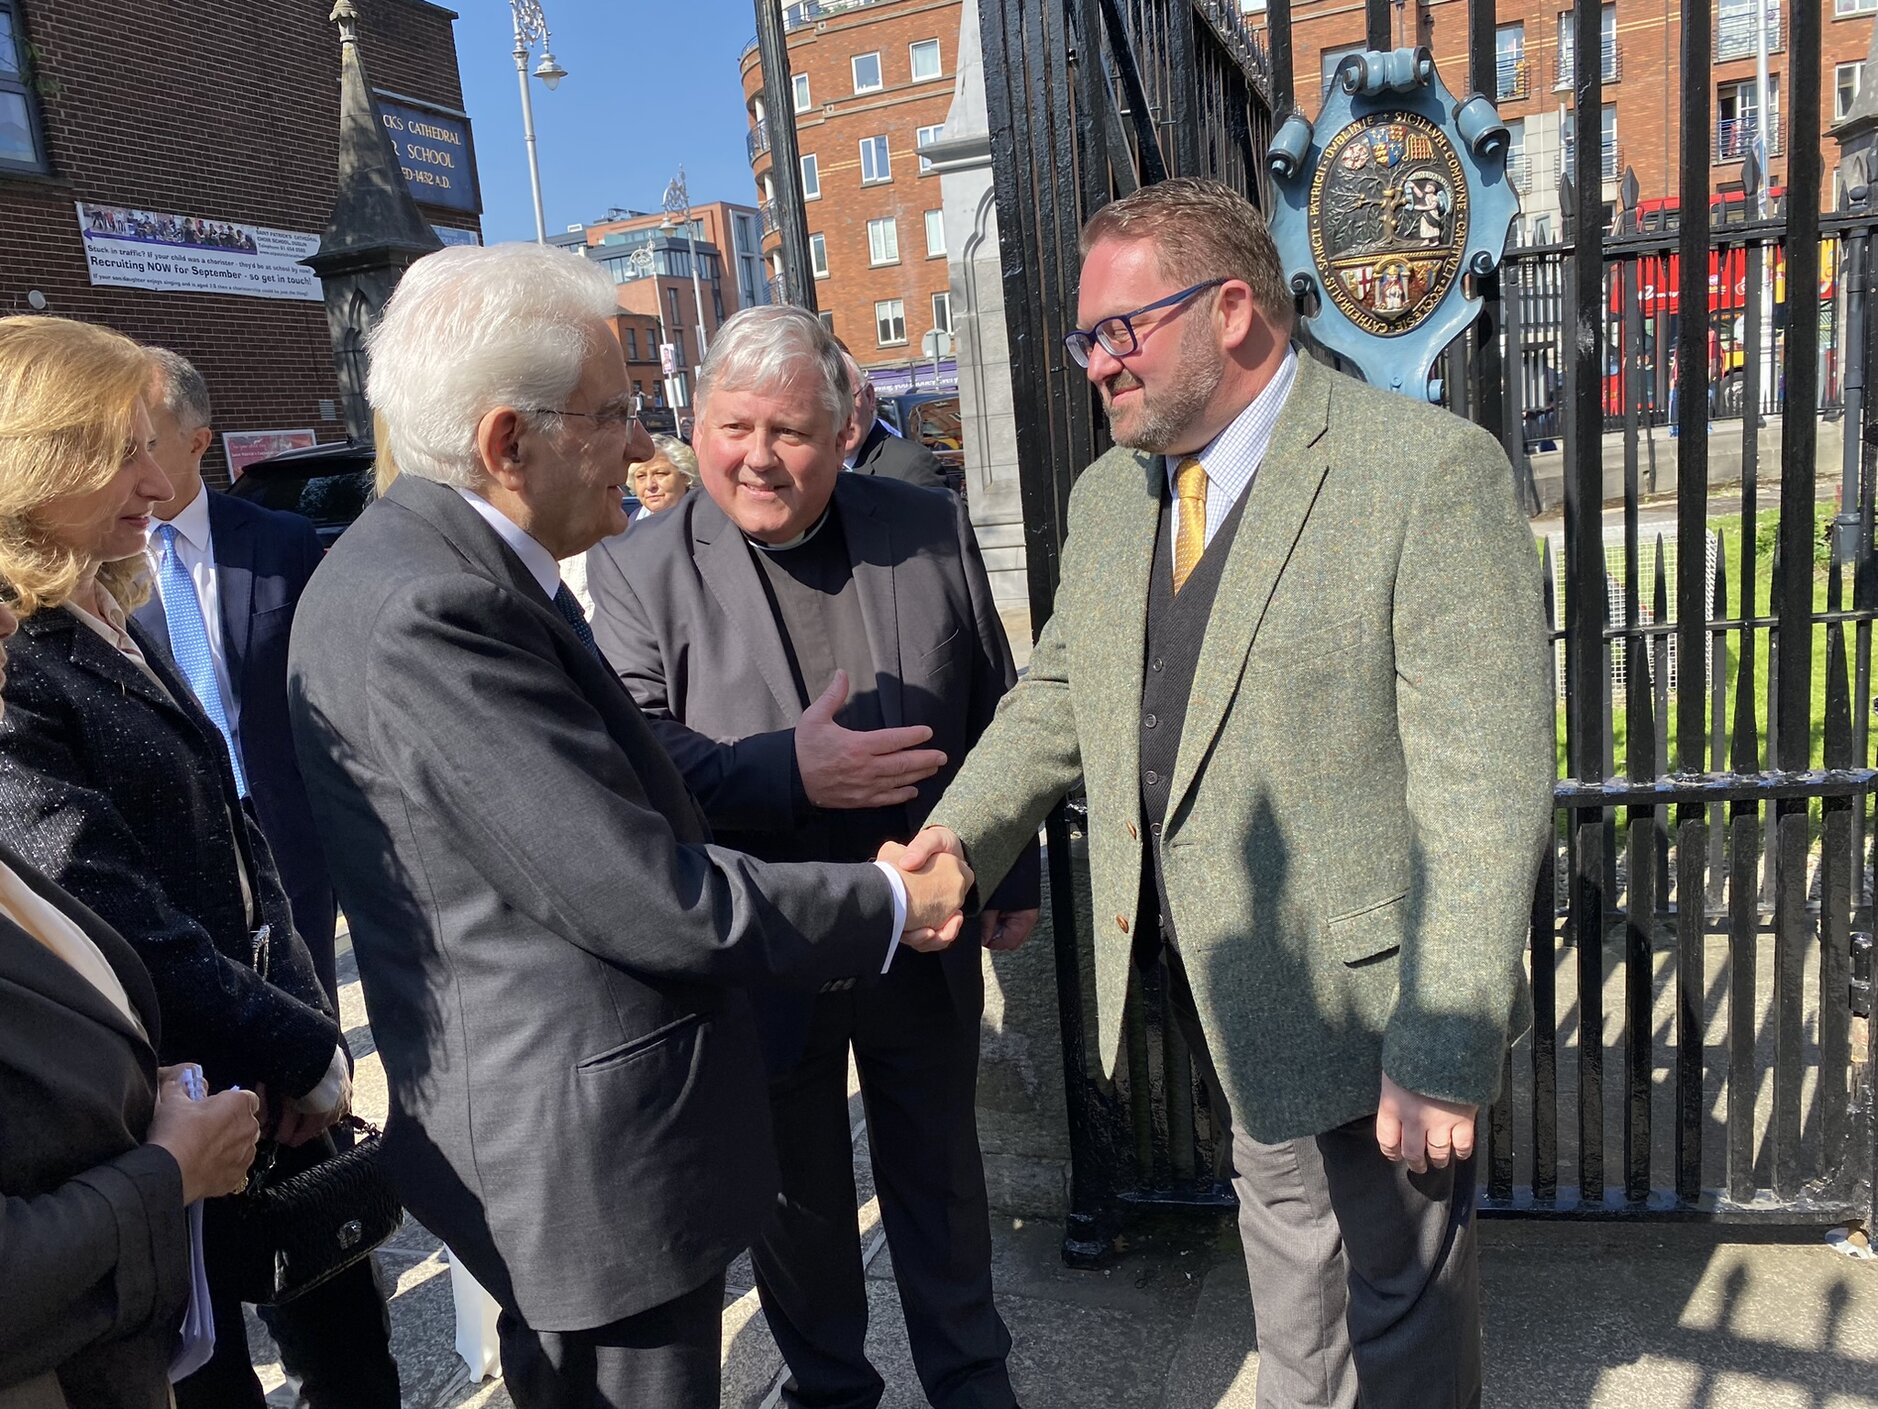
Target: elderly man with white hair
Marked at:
553, 953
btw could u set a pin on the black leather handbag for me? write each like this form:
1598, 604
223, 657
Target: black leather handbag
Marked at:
281, 1237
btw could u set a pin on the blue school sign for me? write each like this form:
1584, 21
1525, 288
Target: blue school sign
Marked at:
1384, 207
435, 150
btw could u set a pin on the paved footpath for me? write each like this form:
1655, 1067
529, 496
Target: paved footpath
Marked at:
1632, 1317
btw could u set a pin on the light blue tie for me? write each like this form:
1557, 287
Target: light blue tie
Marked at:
189, 641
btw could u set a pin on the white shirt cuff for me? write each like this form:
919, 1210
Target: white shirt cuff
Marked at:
334, 1087
899, 910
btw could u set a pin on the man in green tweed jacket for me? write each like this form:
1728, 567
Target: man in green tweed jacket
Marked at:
1299, 661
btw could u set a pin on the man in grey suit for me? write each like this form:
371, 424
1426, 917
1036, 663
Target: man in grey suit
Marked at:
1298, 658
817, 651
874, 448
553, 954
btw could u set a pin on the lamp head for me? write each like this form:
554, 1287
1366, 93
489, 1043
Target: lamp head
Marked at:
549, 70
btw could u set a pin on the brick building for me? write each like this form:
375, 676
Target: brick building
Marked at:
1640, 126
649, 256
230, 120
873, 81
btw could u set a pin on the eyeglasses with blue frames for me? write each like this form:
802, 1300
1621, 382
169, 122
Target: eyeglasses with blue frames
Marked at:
1116, 335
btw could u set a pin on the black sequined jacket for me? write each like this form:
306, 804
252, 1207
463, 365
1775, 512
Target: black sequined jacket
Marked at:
125, 796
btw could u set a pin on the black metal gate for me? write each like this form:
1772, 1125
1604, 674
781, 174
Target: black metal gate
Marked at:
1701, 937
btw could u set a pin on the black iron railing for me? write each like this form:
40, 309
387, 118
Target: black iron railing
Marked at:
1701, 934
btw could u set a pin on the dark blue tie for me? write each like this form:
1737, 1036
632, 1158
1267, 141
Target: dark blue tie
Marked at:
576, 618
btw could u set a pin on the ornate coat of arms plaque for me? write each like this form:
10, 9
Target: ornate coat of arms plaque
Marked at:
1383, 219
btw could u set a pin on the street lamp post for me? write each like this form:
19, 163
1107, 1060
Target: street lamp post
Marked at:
678, 199
531, 27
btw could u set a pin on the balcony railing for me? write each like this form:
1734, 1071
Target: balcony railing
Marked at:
758, 140
1734, 138
1519, 171
1734, 34
1512, 75
809, 12
778, 289
1565, 69
1610, 160
772, 218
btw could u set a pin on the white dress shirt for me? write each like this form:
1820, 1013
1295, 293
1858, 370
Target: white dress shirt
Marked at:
195, 547
546, 571
1232, 457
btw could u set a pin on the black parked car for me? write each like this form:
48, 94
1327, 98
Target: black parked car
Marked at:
329, 484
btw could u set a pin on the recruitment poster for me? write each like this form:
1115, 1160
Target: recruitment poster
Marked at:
146, 249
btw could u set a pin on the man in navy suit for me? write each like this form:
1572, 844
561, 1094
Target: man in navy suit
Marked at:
244, 567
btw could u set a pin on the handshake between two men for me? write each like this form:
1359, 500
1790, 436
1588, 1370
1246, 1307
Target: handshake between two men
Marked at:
844, 768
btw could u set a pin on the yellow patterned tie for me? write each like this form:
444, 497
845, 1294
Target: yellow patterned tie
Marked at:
1190, 528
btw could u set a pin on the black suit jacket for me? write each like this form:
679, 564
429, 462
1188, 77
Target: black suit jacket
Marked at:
263, 559
680, 611
92, 1236
553, 957
125, 797
896, 457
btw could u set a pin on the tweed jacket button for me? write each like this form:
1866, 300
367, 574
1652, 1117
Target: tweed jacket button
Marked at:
1150, 721
1121, 923
1152, 777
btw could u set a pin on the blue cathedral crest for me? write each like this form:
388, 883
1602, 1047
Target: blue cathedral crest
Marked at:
1384, 207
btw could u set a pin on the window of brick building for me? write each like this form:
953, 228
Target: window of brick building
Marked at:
935, 232
883, 241
632, 344
1608, 54
890, 322
1738, 122
866, 72
811, 178
925, 57
1854, 7
942, 311
818, 256
801, 83
1332, 58
876, 161
1511, 77
22, 147
1845, 81
924, 137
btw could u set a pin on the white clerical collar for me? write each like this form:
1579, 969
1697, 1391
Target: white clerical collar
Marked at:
796, 542
191, 522
537, 559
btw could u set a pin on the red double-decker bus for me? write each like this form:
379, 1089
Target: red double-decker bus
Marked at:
1657, 285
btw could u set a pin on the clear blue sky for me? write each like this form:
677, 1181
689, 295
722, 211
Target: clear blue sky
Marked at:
649, 85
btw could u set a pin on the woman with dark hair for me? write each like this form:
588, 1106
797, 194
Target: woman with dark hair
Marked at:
119, 787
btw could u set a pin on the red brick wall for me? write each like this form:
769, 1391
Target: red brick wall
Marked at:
232, 116
832, 130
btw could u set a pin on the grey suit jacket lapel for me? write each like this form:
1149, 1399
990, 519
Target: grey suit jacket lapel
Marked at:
1279, 501
730, 577
870, 550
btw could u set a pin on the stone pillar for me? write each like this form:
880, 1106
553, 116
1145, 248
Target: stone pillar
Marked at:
375, 232
962, 157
